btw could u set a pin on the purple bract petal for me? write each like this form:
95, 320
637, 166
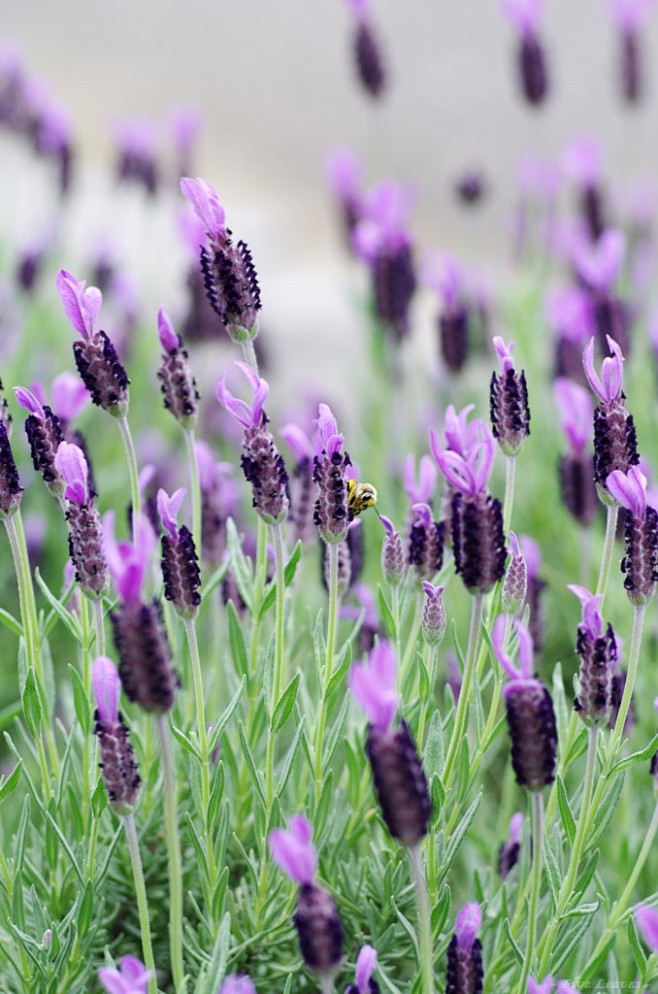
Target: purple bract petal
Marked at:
71, 464
504, 353
169, 340
69, 396
564, 987
419, 489
569, 313
366, 964
168, 508
629, 490
468, 925
373, 685
106, 685
575, 410
608, 387
525, 15
126, 561
422, 515
515, 827
293, 851
432, 592
389, 527
298, 441
599, 265
545, 987
630, 15
205, 201
592, 621
131, 978
344, 173
248, 416
237, 983
330, 439
583, 161
646, 920
27, 400
80, 306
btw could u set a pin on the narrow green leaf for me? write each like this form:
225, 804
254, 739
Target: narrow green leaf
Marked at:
9, 714
99, 798
186, 743
31, 704
251, 766
69, 620
552, 871
67, 848
434, 756
641, 756
289, 571
292, 753
512, 941
635, 944
86, 912
10, 622
583, 910
569, 938
568, 821
9, 785
325, 803
385, 612
51, 844
460, 833
240, 565
285, 704
81, 703
225, 717
213, 581
236, 641
211, 976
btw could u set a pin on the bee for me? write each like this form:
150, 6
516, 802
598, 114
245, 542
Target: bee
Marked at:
360, 496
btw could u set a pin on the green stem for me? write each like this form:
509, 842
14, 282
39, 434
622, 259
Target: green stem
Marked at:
327, 984
424, 928
278, 678
465, 692
174, 860
195, 487
99, 626
249, 353
131, 459
430, 653
202, 729
332, 623
537, 849
142, 900
608, 548
508, 503
631, 674
566, 890
259, 587
86, 683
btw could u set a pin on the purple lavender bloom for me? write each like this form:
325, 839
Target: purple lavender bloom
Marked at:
261, 463
525, 15
228, 270
530, 716
471, 187
640, 563
615, 439
508, 854
598, 266
120, 772
597, 649
44, 433
132, 977
177, 383
237, 983
293, 851
302, 491
69, 397
646, 920
84, 523
185, 126
629, 17
464, 973
576, 468
180, 563
331, 512
447, 278
433, 621
136, 154
426, 542
508, 401
392, 558
219, 501
367, 56
95, 356
545, 987
583, 163
419, 486
532, 556
570, 314
367, 613
515, 584
396, 767
366, 964
345, 177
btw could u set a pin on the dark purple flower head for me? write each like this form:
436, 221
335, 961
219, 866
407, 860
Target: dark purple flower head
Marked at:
608, 386
71, 465
373, 686
293, 851
419, 488
629, 489
132, 977
330, 440
575, 410
248, 415
106, 687
81, 305
128, 561
599, 264
592, 622
168, 508
525, 15
205, 201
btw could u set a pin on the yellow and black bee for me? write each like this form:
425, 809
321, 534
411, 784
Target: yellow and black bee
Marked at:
360, 496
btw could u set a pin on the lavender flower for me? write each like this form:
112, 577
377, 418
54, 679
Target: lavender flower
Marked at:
444, 275
583, 162
344, 175
615, 439
464, 974
478, 541
44, 433
11, 490
84, 523
396, 766
508, 854
95, 356
228, 270
370, 625
180, 563
597, 649
530, 716
392, 554
136, 154
237, 983
640, 564
515, 584
331, 513
598, 266
419, 487
132, 977
433, 620
646, 920
426, 542
317, 919
471, 187
120, 771
508, 398
145, 666
367, 55
219, 498
576, 469
525, 15
570, 314
366, 964
177, 384
532, 556
629, 17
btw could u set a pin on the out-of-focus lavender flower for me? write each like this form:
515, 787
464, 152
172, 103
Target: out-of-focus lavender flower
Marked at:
583, 164
525, 16
366, 964
371, 626
120, 771
640, 563
508, 402
597, 649
433, 620
396, 767
383, 241
220, 496
629, 17
237, 983
293, 851
86, 545
132, 977
464, 974
447, 278
646, 920
570, 314
532, 556
345, 178
69, 396
301, 486
185, 125
367, 55
426, 542
598, 265
471, 187
11, 490
228, 270
515, 585
508, 854
530, 716
419, 487
44, 434
137, 159
177, 383
576, 468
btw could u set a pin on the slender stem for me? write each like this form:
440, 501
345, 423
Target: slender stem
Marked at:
608, 548
259, 586
327, 984
424, 928
86, 683
202, 730
537, 850
142, 900
195, 487
566, 890
510, 477
465, 692
411, 641
430, 653
131, 459
395, 605
332, 621
249, 353
278, 679
174, 859
99, 626
631, 674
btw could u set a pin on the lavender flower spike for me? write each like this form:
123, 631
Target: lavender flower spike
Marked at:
366, 964
392, 554
597, 649
464, 973
44, 433
248, 416
331, 513
640, 564
515, 585
177, 383
293, 851
85, 531
426, 542
367, 56
508, 854
433, 621
615, 440
525, 15
120, 772
607, 387
205, 201
510, 414
180, 564
11, 490
132, 977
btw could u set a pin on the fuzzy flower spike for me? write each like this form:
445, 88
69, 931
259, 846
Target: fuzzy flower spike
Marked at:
597, 649
120, 772
640, 564
575, 410
508, 399
367, 56
228, 270
615, 439
629, 17
84, 523
331, 512
44, 433
11, 491
317, 919
180, 563
396, 767
464, 974
261, 462
177, 383
530, 716
525, 16
95, 356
